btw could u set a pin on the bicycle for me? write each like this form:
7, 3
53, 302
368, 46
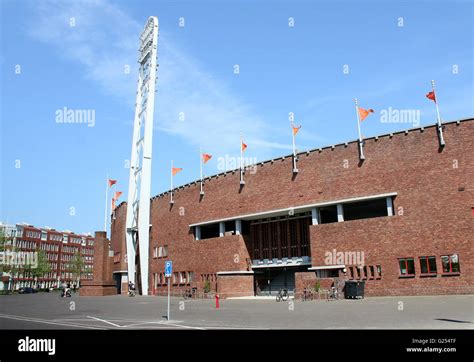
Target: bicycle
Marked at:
333, 294
282, 295
131, 289
307, 295
189, 293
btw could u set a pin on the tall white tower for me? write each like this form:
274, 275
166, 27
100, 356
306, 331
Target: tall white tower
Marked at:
138, 225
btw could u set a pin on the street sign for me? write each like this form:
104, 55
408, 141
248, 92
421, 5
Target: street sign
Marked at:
168, 268
168, 272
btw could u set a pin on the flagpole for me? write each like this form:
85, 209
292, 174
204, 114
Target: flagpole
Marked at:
200, 163
295, 170
242, 182
106, 201
440, 128
361, 151
113, 211
171, 179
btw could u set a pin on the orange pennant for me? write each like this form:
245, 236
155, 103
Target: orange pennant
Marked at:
206, 157
113, 204
244, 146
363, 113
112, 182
175, 170
117, 195
431, 95
295, 129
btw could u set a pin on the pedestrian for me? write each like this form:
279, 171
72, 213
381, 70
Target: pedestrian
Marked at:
64, 288
74, 287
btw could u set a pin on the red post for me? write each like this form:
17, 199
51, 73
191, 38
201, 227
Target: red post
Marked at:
217, 301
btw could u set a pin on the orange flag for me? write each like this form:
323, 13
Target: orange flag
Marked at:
113, 204
206, 157
244, 146
295, 129
363, 113
175, 170
117, 195
431, 95
112, 182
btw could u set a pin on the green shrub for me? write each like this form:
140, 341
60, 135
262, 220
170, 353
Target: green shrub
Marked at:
207, 286
317, 286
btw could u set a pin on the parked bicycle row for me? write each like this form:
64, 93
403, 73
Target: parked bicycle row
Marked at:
340, 290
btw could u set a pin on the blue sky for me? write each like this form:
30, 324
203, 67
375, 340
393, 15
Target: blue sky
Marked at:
48, 168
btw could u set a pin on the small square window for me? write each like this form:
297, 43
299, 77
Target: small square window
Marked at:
365, 272
428, 264
372, 272
450, 263
407, 266
379, 271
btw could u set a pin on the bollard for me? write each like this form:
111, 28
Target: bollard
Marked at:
217, 301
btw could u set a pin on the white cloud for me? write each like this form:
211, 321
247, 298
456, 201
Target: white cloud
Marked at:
105, 39
102, 40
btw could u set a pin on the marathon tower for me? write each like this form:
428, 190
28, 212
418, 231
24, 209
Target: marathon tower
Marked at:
138, 205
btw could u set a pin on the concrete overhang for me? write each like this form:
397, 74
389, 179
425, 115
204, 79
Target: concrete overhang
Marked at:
325, 267
301, 208
235, 272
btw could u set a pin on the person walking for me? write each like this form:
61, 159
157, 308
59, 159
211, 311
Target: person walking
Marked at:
64, 288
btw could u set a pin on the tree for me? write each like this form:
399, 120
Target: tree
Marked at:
6, 247
207, 286
42, 267
77, 265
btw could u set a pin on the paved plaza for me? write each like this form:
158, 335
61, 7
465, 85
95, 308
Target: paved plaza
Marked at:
50, 311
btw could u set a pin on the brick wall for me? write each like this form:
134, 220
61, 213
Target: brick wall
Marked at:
434, 199
235, 285
102, 283
118, 240
309, 280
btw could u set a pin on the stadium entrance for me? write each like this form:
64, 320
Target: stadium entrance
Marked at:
268, 281
279, 247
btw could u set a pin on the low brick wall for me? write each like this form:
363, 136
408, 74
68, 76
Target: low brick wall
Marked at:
99, 290
240, 285
309, 280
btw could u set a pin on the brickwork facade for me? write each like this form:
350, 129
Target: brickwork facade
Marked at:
61, 248
432, 203
102, 282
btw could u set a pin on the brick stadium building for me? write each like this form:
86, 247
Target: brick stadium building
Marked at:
402, 220
60, 248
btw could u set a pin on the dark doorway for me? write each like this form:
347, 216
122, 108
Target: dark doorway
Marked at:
118, 282
268, 281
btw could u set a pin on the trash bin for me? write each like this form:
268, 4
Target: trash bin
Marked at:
350, 289
360, 289
354, 289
